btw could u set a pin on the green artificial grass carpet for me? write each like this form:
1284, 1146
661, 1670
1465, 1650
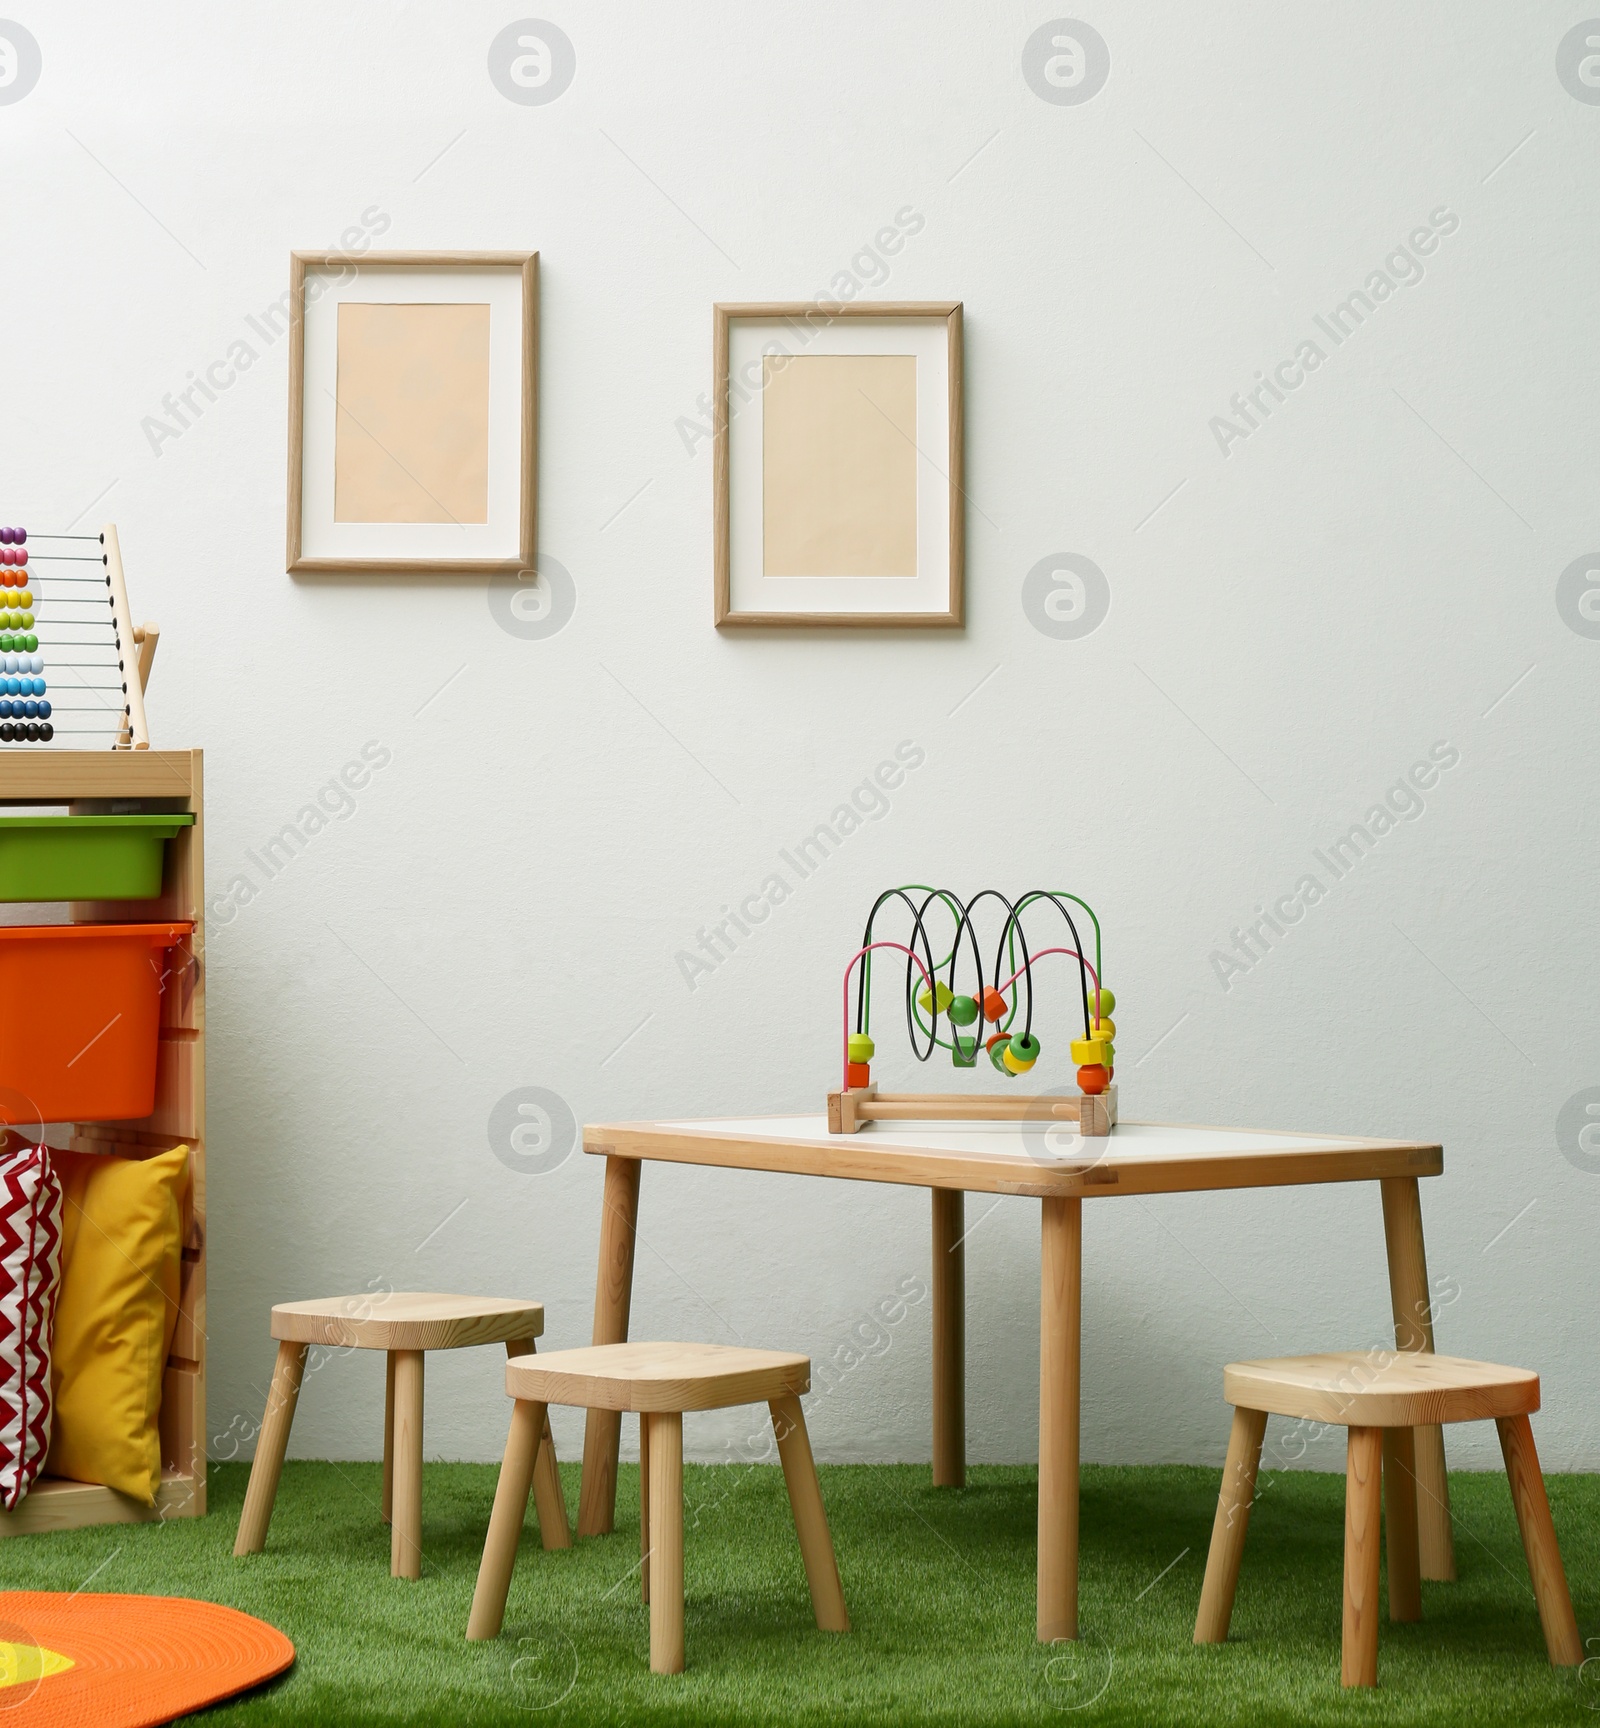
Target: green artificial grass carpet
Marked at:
940, 1587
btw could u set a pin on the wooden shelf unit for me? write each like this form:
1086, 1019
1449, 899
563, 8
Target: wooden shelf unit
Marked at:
121, 782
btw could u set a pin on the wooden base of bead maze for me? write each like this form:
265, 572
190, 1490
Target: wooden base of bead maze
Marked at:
850, 1111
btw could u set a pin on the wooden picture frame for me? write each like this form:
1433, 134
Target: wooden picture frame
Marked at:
506, 541
935, 597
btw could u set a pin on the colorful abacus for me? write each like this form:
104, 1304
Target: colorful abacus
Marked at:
84, 639
996, 999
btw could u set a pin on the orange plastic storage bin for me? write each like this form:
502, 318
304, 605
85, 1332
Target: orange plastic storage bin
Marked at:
83, 1012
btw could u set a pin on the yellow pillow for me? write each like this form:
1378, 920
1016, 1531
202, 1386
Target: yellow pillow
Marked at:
121, 1251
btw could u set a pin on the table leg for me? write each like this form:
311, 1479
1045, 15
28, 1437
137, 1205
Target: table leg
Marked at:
949, 1340
1413, 1330
1060, 1339
613, 1291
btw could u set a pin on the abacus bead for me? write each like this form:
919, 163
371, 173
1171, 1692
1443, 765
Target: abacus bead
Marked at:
860, 1047
857, 1074
22, 557
19, 536
31, 709
1093, 1079
7, 731
26, 596
46, 731
30, 642
5, 536
33, 729
963, 1010
44, 710
27, 620
1108, 1001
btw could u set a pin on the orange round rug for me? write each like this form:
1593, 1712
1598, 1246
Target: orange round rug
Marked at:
126, 1661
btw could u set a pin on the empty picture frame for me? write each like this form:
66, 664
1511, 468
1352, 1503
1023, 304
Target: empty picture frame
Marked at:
838, 469
413, 412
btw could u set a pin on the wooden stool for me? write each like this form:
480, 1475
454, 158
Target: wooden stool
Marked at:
1380, 1396
405, 1325
660, 1381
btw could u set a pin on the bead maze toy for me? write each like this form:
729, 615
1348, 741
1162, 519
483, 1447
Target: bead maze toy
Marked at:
82, 634
997, 999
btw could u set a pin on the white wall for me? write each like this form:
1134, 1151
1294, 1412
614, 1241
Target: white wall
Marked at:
1364, 576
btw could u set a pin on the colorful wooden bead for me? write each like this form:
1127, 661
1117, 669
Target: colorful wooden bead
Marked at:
1086, 1052
1025, 1047
998, 1048
1103, 1028
860, 1047
963, 1010
857, 1074
994, 1004
1014, 1063
1093, 1079
936, 1000
1107, 1003
963, 1052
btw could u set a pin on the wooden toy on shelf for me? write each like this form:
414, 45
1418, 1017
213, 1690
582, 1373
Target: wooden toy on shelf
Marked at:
66, 640
995, 999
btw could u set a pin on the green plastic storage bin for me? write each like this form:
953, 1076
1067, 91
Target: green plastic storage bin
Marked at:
84, 857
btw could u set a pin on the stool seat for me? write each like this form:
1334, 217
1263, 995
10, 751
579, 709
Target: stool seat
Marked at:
405, 1324
1380, 1398
658, 1376
1381, 1388
660, 1382
407, 1320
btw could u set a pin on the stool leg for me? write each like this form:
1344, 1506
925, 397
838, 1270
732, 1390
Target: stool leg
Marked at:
388, 1436
505, 1522
1539, 1541
1400, 1524
810, 1516
554, 1530
271, 1444
1228, 1529
666, 1540
405, 1537
1363, 1496
644, 1509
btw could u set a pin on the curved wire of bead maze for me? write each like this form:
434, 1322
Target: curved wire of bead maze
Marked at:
1012, 1053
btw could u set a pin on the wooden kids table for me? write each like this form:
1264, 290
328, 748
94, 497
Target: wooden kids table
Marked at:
1014, 1158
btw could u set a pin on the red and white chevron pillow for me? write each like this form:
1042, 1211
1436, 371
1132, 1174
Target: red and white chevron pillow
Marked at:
30, 1277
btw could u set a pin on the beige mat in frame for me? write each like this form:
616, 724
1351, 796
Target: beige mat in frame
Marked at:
838, 470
